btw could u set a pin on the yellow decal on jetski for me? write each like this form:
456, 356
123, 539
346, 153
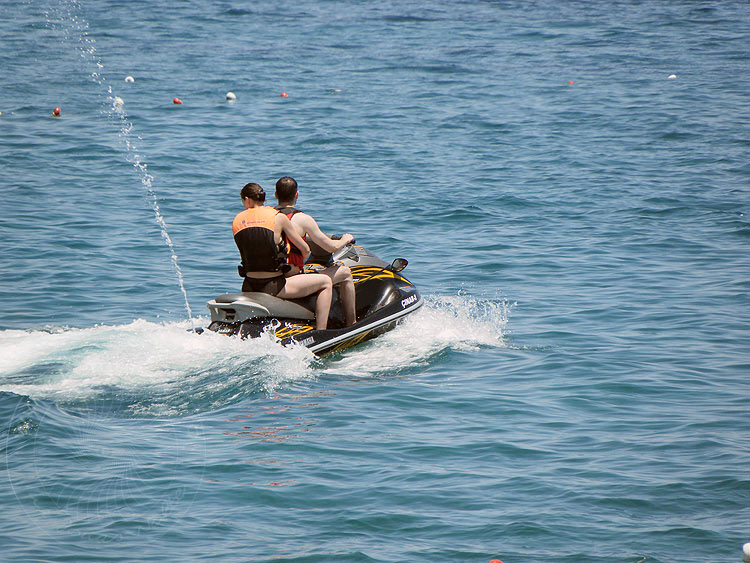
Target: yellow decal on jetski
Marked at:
292, 330
364, 273
350, 342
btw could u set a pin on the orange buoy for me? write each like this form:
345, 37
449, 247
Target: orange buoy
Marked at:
570, 82
284, 95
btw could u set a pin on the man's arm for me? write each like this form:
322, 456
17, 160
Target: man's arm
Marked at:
292, 235
311, 229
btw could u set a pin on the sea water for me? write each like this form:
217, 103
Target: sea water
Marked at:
570, 184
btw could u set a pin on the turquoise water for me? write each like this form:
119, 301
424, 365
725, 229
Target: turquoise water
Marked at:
575, 388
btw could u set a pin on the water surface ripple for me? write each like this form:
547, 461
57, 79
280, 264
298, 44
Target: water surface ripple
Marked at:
570, 185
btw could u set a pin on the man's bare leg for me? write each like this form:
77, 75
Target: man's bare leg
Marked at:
341, 276
303, 285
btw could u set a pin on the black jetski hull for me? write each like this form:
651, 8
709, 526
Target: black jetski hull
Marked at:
383, 297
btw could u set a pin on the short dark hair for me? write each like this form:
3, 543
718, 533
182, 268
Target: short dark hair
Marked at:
286, 187
254, 192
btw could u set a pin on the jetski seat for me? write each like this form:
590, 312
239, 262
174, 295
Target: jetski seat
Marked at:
286, 308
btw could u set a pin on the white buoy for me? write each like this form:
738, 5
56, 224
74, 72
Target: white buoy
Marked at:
129, 79
746, 553
1, 114
231, 97
118, 101
672, 76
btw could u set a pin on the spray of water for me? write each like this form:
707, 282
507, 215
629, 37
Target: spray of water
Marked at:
459, 322
74, 27
162, 369
157, 368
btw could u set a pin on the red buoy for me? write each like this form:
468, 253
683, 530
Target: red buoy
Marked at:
284, 95
177, 101
56, 112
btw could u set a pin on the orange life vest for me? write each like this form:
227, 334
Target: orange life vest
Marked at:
255, 238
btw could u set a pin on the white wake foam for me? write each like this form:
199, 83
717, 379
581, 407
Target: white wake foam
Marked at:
77, 363
459, 322
161, 360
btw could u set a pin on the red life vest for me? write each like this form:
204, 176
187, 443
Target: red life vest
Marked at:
295, 255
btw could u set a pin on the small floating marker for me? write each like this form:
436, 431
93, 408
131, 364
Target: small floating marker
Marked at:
570, 82
56, 112
129, 79
746, 553
284, 95
177, 101
118, 101
495, 561
1, 114
672, 76
231, 96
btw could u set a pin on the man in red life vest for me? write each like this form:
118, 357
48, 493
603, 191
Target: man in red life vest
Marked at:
307, 228
258, 233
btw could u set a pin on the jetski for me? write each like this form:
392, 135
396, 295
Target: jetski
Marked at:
383, 298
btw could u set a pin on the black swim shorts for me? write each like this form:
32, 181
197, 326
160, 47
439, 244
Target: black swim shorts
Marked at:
271, 286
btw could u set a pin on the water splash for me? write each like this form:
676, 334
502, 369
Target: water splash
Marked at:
152, 368
459, 322
74, 28
164, 369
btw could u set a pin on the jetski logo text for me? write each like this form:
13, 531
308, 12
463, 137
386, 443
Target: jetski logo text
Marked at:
408, 301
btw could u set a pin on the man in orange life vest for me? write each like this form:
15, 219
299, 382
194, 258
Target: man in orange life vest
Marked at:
307, 228
258, 233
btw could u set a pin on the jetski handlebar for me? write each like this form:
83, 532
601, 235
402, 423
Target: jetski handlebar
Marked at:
338, 237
